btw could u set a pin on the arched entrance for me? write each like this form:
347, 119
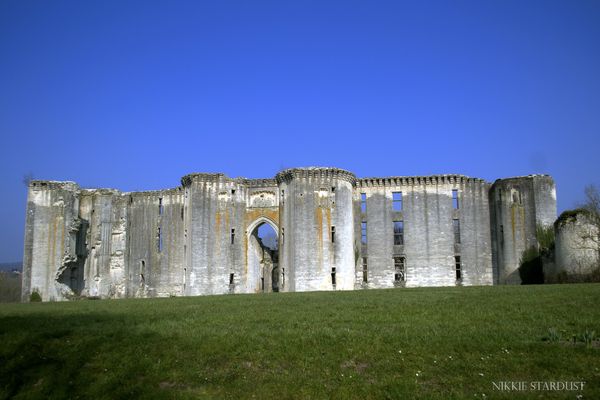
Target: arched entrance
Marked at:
263, 256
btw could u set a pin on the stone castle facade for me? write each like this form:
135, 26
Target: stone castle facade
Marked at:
335, 232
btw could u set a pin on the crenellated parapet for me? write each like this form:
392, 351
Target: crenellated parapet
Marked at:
203, 177
50, 185
322, 173
417, 180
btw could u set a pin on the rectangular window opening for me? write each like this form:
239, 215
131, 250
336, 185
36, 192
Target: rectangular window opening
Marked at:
456, 226
399, 269
333, 276
160, 206
455, 199
231, 276
397, 201
398, 232
458, 268
363, 202
363, 232
365, 270
159, 240
333, 234
232, 235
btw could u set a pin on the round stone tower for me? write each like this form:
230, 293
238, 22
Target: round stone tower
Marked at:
317, 232
518, 207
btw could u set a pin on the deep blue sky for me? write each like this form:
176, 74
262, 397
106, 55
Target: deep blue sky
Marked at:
134, 95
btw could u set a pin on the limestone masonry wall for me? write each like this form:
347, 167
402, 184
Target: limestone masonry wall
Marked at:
334, 231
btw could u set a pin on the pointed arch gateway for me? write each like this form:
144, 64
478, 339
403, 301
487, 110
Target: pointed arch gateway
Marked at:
262, 250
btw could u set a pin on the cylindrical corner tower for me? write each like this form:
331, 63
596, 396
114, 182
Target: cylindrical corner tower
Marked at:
518, 206
317, 231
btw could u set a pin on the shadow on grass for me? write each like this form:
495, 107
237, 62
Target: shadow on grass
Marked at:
74, 356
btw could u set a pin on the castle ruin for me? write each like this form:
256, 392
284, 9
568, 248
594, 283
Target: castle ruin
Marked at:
334, 232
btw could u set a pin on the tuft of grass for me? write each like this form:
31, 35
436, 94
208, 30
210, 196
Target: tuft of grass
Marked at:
553, 335
588, 337
35, 297
427, 343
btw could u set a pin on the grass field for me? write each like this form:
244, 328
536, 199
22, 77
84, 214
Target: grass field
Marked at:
405, 343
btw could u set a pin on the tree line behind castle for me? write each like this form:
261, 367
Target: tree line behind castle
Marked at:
329, 231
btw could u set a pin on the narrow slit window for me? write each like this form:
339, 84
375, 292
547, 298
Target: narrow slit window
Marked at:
458, 268
232, 235
365, 270
282, 236
398, 232
399, 269
160, 206
159, 240
455, 199
397, 201
456, 226
363, 232
142, 269
363, 202
333, 234
231, 276
333, 276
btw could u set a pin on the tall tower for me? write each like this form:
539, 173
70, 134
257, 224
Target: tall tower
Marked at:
517, 207
317, 231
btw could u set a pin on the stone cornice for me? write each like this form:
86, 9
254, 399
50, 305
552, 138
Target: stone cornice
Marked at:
417, 180
315, 173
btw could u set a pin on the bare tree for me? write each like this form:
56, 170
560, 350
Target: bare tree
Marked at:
28, 177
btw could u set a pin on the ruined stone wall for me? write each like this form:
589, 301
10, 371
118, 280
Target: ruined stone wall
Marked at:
577, 244
200, 238
428, 245
518, 206
50, 239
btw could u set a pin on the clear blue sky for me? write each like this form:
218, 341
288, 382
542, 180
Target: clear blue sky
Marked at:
134, 95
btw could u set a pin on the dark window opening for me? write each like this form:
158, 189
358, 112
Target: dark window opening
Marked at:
160, 240
363, 232
333, 234
333, 276
456, 226
232, 192
282, 235
520, 198
232, 235
333, 188
363, 202
398, 232
231, 278
458, 268
455, 199
160, 206
399, 269
397, 201
142, 272
365, 270
182, 213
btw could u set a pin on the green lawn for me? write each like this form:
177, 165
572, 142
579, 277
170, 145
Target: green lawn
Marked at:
403, 343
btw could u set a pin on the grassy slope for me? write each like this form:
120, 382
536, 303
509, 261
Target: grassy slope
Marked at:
364, 344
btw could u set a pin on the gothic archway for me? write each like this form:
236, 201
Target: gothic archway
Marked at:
263, 256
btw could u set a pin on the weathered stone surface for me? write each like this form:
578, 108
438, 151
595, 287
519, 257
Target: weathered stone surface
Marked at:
577, 243
200, 238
